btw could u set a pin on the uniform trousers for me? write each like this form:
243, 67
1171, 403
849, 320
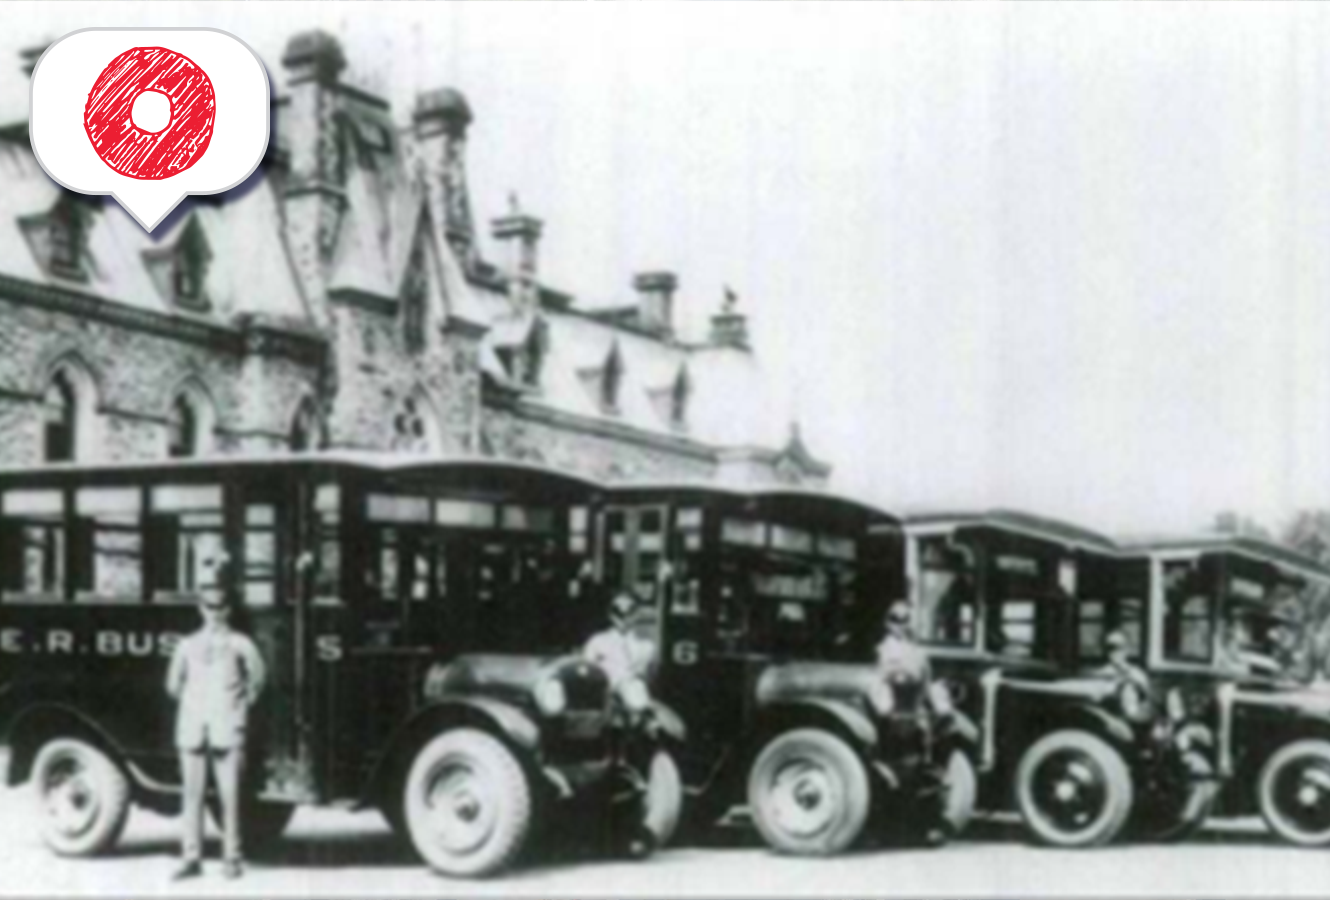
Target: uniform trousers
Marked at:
228, 766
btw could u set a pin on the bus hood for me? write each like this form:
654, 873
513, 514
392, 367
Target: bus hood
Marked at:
820, 680
516, 676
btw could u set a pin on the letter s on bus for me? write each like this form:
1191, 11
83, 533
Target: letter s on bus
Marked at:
329, 647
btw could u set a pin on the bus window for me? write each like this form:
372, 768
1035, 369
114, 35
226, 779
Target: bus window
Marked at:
259, 578
686, 584
107, 542
634, 550
186, 540
33, 546
947, 599
328, 558
1188, 614
1024, 605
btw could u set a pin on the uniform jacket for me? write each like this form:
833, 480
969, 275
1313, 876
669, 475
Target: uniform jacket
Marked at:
900, 657
216, 676
623, 655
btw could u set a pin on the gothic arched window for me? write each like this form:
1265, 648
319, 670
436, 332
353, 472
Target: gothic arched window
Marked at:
61, 419
306, 427
184, 429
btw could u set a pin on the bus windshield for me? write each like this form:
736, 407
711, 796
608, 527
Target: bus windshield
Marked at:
1017, 613
1259, 633
799, 591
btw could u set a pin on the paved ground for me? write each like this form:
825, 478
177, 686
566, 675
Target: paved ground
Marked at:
335, 853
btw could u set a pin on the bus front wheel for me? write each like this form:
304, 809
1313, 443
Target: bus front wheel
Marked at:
1074, 790
809, 793
467, 804
83, 796
1294, 793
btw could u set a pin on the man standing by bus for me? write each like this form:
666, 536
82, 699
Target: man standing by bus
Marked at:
216, 675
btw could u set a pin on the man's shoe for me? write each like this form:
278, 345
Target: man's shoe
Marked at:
232, 869
190, 868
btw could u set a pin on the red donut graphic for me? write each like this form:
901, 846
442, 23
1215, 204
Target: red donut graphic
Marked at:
133, 151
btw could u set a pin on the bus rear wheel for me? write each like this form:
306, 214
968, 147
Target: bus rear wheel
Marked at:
83, 796
1294, 793
648, 819
809, 793
467, 804
1073, 790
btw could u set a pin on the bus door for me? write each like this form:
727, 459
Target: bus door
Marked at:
660, 558
511, 585
396, 569
262, 527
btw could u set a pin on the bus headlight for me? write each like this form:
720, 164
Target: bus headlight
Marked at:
1134, 703
1175, 705
635, 695
882, 698
551, 698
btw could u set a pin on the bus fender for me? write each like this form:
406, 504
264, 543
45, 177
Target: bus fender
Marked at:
812, 709
1113, 727
57, 718
514, 724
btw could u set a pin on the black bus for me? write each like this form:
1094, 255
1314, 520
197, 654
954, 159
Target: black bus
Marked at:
416, 619
1016, 610
1226, 640
770, 605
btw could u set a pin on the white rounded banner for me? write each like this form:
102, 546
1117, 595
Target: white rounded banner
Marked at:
149, 115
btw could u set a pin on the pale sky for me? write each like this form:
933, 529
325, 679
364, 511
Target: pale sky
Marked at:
1071, 259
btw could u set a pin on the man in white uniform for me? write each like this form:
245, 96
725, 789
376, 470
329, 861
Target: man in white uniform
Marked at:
618, 650
216, 675
899, 656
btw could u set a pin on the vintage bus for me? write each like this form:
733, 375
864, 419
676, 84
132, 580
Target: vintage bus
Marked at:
1225, 640
1013, 610
770, 603
420, 622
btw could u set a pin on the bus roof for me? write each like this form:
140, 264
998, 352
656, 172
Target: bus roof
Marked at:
1259, 549
760, 494
368, 460
1039, 527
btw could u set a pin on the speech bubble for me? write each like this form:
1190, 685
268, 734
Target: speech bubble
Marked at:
149, 115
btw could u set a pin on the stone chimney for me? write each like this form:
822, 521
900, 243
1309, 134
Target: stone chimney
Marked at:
441, 118
30, 55
729, 328
315, 199
519, 235
655, 304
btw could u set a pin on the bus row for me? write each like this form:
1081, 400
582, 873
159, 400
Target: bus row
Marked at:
424, 626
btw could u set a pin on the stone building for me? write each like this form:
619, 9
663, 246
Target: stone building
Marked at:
341, 297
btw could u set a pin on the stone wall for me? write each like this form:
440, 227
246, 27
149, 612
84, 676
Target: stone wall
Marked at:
381, 386
509, 435
133, 376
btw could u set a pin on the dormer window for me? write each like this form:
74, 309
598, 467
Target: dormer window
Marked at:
59, 238
679, 394
189, 268
180, 270
530, 356
671, 400
611, 377
66, 234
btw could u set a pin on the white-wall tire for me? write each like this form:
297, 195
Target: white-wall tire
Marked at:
467, 804
83, 797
